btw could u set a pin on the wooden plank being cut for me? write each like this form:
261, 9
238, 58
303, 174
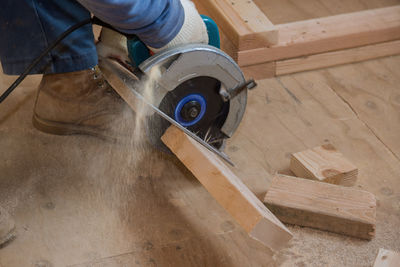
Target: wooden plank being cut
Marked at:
321, 35
325, 164
245, 24
387, 258
323, 206
228, 190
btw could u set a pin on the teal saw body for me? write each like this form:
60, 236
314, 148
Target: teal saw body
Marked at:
196, 86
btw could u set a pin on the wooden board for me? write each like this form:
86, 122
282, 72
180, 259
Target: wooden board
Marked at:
328, 34
228, 190
324, 164
387, 258
323, 206
244, 23
260, 71
334, 58
226, 39
308, 44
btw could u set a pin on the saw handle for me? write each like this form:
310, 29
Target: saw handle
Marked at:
212, 30
138, 51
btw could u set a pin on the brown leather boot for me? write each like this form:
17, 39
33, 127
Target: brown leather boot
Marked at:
7, 227
81, 102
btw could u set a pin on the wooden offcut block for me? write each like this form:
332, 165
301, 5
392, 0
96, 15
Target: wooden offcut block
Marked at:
323, 206
325, 164
228, 190
387, 258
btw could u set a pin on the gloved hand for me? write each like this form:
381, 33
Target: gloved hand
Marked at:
193, 31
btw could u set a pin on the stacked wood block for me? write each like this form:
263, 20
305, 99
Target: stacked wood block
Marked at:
323, 206
324, 163
321, 196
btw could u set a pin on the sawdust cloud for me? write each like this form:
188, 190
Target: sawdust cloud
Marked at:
95, 187
123, 165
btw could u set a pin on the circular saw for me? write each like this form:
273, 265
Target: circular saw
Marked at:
196, 87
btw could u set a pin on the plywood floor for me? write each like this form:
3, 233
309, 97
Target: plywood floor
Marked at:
284, 11
79, 201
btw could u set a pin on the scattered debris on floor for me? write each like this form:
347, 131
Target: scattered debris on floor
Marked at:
387, 258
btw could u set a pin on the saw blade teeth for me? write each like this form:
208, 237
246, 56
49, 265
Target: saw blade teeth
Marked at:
207, 135
215, 141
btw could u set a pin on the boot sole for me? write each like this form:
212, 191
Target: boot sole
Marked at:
59, 128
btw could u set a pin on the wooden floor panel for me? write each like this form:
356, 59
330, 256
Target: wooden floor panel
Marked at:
373, 91
284, 11
80, 201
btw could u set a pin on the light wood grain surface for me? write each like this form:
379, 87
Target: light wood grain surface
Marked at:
80, 202
325, 164
324, 206
326, 34
228, 190
284, 11
387, 258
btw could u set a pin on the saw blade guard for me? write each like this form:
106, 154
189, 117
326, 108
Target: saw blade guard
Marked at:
189, 81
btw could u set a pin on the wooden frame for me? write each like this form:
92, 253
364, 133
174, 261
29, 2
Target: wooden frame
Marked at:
268, 50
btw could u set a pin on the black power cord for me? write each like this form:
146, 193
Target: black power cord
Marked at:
42, 55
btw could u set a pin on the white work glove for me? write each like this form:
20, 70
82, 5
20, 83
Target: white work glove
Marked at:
193, 30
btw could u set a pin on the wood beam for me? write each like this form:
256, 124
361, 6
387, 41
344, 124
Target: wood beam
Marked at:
245, 24
328, 34
227, 189
334, 58
323, 60
323, 206
260, 71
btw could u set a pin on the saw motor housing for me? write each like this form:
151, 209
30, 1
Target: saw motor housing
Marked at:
190, 86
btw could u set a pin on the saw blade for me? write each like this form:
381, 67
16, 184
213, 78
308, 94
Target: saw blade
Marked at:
123, 79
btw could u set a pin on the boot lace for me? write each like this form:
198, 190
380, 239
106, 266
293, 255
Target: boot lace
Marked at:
102, 83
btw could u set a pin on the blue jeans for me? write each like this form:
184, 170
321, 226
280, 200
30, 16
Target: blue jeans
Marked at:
27, 27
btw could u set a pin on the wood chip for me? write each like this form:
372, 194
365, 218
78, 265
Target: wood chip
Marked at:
325, 164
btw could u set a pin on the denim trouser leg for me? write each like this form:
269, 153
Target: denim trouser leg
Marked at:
27, 27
